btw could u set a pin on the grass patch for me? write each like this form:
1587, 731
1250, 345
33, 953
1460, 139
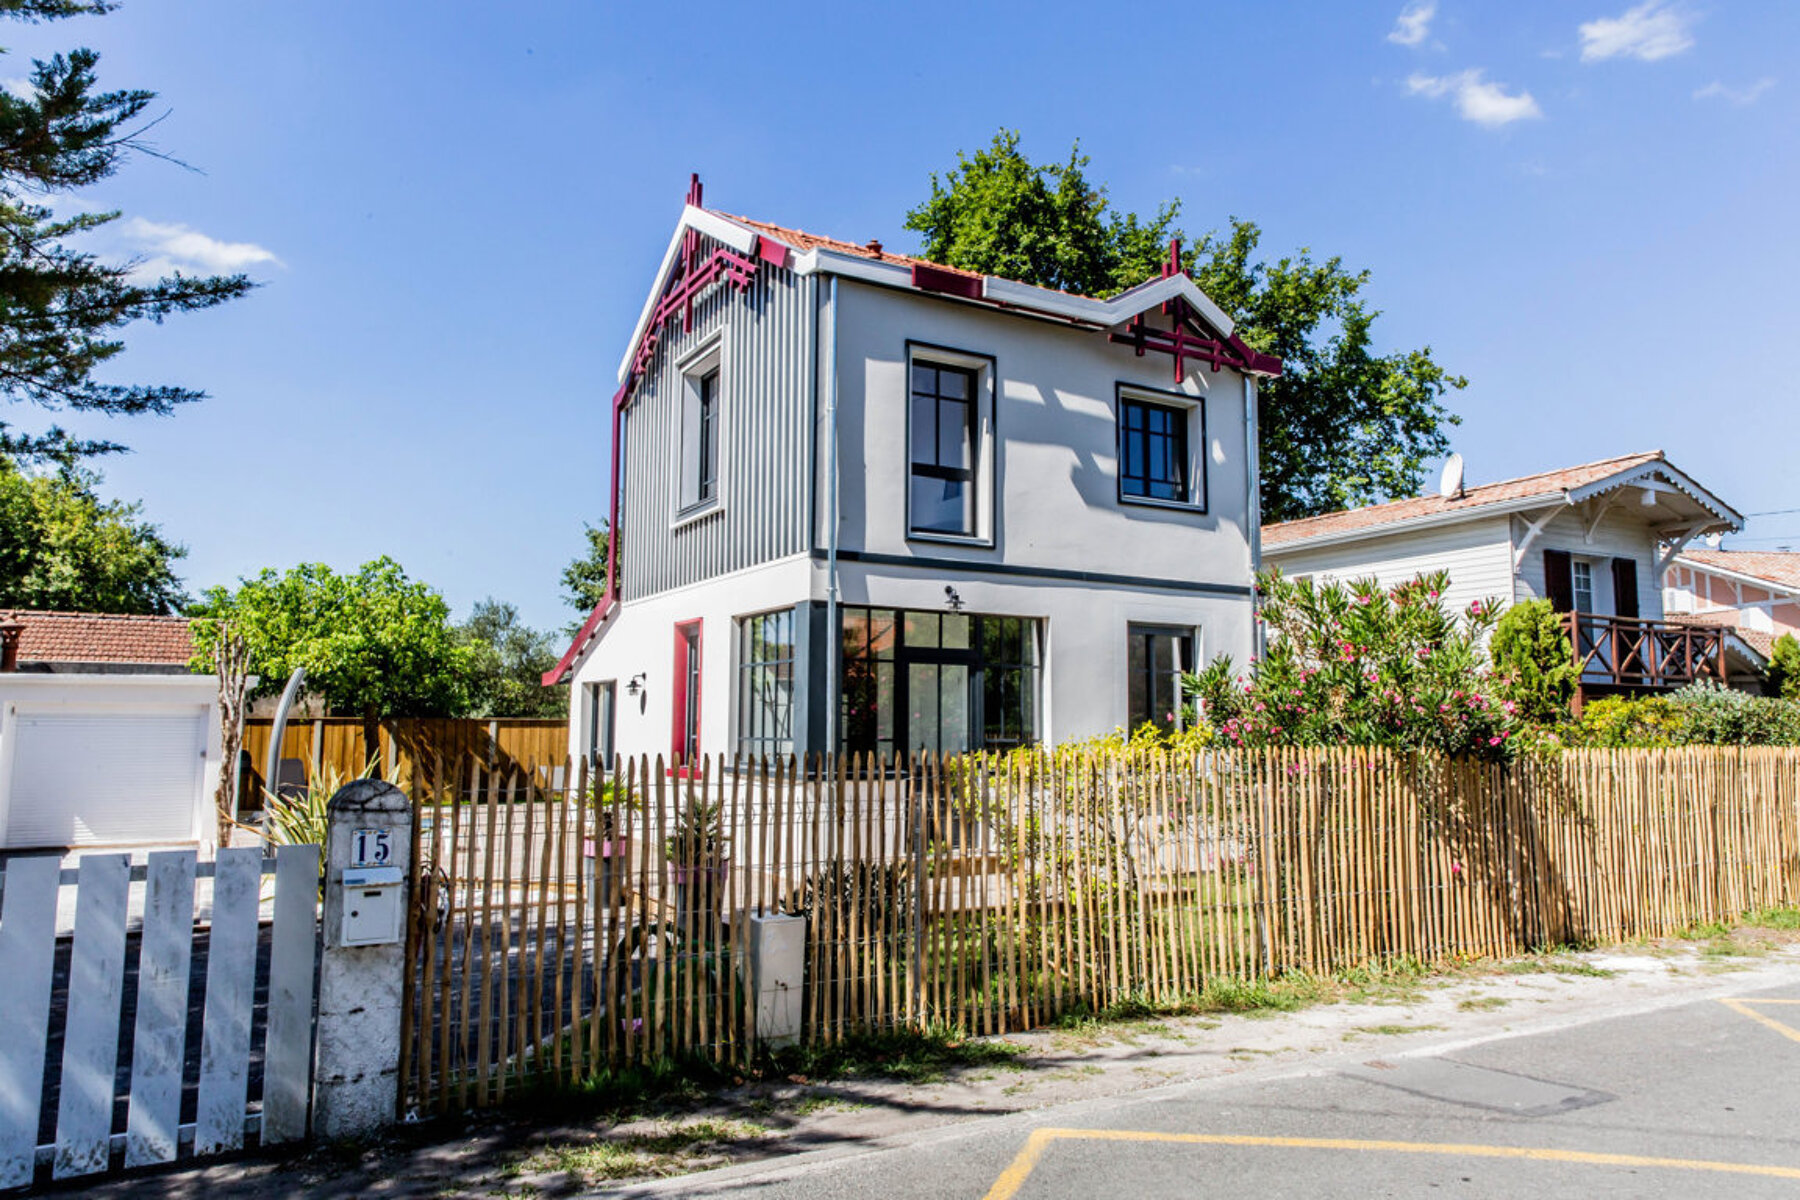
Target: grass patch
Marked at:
1787, 919
905, 1057
669, 1151
1483, 1003
1395, 1030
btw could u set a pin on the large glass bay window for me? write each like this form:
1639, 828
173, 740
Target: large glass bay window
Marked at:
939, 682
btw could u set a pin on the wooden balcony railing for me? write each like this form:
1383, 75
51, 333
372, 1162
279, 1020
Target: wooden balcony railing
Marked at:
1626, 652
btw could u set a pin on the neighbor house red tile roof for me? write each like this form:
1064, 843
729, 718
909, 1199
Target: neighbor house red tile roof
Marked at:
1546, 483
1778, 567
62, 637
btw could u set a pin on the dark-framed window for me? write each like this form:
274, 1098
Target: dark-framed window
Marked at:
939, 682
1156, 656
1159, 434
707, 435
766, 657
942, 419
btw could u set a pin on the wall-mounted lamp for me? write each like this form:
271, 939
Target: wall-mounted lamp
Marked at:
636, 685
952, 599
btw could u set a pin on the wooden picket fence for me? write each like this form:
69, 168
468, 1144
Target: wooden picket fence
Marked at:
553, 937
404, 745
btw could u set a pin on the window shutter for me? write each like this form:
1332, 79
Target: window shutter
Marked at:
1559, 580
1625, 587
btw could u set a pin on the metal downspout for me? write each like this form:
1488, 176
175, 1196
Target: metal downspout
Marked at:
832, 638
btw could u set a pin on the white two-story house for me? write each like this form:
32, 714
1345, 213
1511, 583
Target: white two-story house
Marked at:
862, 502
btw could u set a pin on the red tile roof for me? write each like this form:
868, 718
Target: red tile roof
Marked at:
1727, 618
1546, 483
1778, 567
61, 637
803, 241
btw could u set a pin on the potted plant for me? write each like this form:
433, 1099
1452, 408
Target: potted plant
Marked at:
606, 851
698, 866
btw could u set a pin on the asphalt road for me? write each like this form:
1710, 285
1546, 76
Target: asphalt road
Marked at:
1695, 1100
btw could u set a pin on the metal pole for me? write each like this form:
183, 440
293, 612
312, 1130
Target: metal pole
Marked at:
272, 760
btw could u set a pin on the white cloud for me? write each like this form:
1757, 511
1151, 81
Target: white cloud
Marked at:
1414, 24
1650, 31
20, 87
1477, 100
1740, 96
178, 248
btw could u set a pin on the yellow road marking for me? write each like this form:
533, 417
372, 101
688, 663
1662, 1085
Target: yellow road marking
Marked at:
1013, 1178
1743, 1006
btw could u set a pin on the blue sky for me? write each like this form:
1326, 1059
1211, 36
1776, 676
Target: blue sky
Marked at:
1586, 208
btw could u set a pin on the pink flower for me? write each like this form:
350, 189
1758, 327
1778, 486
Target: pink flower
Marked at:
1494, 741
1456, 868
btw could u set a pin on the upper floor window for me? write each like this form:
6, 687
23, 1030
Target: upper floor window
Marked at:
943, 449
698, 435
1160, 435
950, 444
1583, 573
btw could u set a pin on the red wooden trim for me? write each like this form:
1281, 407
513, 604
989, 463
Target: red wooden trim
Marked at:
678, 718
935, 279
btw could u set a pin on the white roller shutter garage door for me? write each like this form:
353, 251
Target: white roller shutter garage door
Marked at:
100, 778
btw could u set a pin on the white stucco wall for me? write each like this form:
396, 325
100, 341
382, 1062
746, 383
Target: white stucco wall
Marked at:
1477, 554
1056, 427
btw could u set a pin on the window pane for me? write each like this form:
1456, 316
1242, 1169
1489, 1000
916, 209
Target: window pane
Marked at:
953, 708
953, 385
1137, 679
953, 435
922, 691
924, 429
956, 631
924, 379
940, 505
923, 629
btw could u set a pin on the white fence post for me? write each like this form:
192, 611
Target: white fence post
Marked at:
367, 849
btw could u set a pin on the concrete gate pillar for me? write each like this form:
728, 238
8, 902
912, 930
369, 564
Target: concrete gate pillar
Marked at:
363, 967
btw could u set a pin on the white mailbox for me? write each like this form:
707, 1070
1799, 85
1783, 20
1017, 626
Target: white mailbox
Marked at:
371, 898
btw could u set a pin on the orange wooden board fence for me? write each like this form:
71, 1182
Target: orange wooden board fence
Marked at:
552, 938
338, 743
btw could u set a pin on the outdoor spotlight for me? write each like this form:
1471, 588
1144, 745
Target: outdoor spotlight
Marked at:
952, 599
636, 685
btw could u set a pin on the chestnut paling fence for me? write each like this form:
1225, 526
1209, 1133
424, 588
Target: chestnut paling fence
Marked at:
560, 928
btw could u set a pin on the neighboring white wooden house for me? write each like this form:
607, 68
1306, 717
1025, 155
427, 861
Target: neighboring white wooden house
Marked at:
870, 503
106, 739
1594, 539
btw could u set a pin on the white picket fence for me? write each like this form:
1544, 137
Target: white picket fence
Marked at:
88, 1085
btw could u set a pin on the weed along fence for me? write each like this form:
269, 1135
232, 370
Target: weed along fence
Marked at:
713, 909
339, 745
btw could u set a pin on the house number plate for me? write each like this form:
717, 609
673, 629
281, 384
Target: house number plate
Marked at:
371, 847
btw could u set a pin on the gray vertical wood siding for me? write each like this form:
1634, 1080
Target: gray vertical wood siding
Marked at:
765, 416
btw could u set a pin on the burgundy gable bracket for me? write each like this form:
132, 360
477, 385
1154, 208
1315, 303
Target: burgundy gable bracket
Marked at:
950, 283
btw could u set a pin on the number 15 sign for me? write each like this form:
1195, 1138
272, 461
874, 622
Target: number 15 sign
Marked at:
371, 847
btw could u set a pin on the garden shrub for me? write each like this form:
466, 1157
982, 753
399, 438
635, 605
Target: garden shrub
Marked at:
1534, 662
1617, 722
1715, 715
1357, 664
1784, 667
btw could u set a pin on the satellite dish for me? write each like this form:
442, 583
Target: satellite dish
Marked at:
1450, 486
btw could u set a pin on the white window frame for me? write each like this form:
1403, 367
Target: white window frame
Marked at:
1194, 407
985, 433
686, 506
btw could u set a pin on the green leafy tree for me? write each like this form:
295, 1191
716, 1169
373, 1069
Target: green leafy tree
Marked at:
507, 660
1343, 426
1784, 667
62, 310
374, 644
1359, 665
64, 548
584, 579
1535, 662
